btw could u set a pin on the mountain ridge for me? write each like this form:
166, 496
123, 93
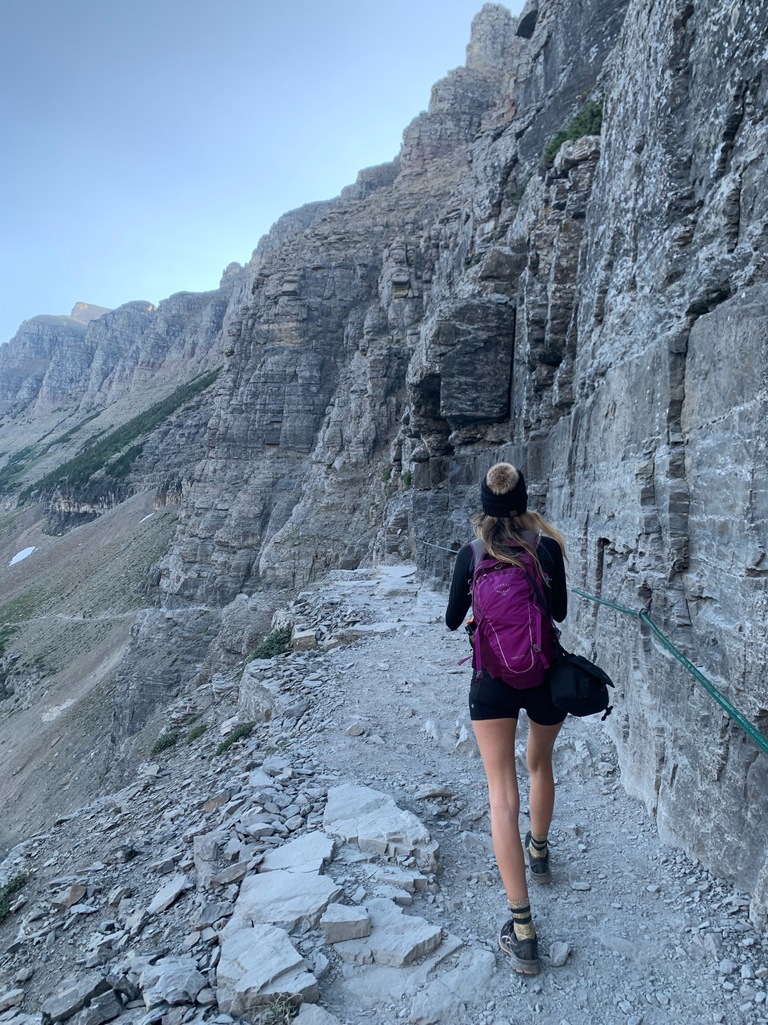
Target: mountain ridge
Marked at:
469, 302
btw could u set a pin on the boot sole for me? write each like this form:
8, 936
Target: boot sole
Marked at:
518, 965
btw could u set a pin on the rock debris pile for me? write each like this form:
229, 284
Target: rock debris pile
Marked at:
334, 863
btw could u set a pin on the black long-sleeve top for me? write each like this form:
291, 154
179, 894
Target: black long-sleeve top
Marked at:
551, 559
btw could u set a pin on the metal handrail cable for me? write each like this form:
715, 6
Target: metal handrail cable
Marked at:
642, 615
734, 713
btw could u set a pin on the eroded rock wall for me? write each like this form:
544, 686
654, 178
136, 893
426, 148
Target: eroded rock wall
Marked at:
372, 365
596, 317
637, 394
665, 470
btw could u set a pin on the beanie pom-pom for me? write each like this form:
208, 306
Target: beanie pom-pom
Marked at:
502, 477
503, 491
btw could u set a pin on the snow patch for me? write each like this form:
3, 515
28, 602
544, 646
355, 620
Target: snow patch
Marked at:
147, 517
19, 556
55, 711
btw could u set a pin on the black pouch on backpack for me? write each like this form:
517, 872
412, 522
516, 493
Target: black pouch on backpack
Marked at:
578, 686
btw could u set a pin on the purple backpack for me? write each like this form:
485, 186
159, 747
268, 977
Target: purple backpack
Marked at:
514, 635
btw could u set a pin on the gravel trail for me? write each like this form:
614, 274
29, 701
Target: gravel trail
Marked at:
631, 932
651, 937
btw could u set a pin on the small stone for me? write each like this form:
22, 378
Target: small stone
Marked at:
168, 894
320, 964
190, 940
171, 980
558, 954
69, 897
11, 998
117, 894
581, 886
433, 792
73, 995
214, 803
232, 874
340, 922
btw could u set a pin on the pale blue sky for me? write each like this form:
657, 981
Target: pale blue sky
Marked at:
148, 143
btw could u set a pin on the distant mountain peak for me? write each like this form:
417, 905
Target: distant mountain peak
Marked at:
86, 312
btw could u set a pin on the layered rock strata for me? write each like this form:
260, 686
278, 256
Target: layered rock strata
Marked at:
596, 317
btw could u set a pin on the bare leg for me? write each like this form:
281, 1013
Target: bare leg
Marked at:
541, 741
496, 740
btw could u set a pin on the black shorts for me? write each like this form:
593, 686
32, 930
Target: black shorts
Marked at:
494, 699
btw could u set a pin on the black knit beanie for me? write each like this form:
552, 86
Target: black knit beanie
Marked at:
503, 491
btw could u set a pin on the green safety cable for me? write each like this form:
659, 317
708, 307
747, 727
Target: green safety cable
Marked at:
453, 551
734, 713
710, 688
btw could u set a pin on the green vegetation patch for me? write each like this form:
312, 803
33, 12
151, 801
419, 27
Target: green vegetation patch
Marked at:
25, 606
196, 731
238, 733
78, 471
20, 462
69, 435
14, 469
588, 121
121, 466
6, 892
6, 632
8, 522
165, 741
275, 643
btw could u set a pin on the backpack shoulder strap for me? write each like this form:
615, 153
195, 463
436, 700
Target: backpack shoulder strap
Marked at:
540, 598
478, 550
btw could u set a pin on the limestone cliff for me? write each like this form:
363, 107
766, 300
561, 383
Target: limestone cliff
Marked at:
591, 308
67, 384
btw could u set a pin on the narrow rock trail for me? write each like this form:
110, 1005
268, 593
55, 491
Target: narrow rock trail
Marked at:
302, 859
651, 936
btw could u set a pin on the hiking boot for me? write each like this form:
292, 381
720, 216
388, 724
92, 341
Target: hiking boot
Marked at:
523, 954
540, 872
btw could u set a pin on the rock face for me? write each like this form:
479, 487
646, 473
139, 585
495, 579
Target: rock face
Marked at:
597, 317
25, 360
460, 100
86, 312
662, 509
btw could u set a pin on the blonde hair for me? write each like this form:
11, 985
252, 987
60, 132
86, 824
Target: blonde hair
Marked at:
501, 534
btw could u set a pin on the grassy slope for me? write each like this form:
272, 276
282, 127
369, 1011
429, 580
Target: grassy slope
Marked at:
71, 605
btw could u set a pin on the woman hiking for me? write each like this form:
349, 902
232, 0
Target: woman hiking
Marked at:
512, 535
